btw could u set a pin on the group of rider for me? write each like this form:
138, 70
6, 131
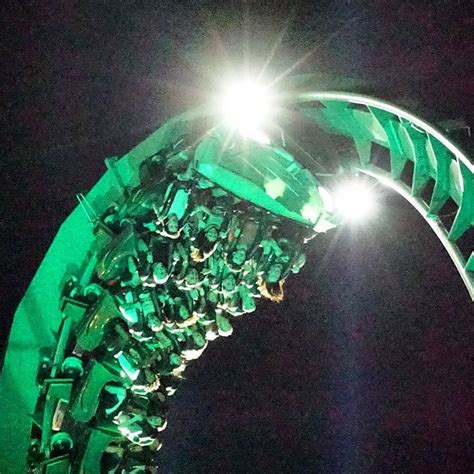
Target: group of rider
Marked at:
183, 257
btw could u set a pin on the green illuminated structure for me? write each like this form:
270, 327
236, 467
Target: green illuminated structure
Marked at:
182, 234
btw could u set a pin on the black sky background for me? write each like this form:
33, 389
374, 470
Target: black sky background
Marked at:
366, 367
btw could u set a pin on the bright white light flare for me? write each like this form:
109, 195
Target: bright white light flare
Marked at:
247, 107
355, 201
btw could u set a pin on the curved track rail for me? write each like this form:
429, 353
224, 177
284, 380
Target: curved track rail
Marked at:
408, 138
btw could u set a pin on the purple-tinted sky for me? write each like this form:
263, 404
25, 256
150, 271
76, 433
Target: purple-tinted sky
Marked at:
366, 366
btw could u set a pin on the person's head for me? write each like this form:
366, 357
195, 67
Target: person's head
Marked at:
183, 311
212, 296
228, 283
160, 273
248, 302
272, 291
203, 247
239, 256
156, 421
212, 233
274, 273
192, 276
198, 340
172, 224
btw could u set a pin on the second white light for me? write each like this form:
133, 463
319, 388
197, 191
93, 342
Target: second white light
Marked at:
355, 201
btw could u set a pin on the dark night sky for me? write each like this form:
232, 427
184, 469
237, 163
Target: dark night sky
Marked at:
366, 366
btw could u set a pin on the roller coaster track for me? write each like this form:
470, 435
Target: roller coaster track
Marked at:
408, 138
438, 165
